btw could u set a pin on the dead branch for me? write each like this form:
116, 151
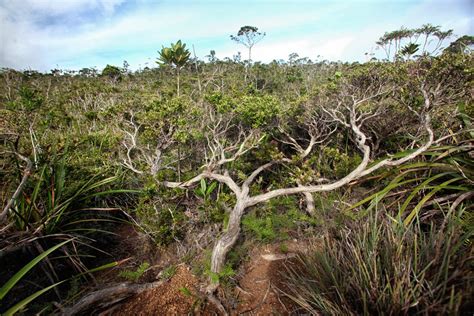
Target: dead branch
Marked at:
220, 152
26, 174
152, 158
108, 296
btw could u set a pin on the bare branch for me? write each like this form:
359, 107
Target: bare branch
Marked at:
361, 170
26, 174
152, 158
225, 178
361, 140
256, 172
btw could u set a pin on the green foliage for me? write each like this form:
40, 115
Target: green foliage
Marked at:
164, 223
275, 220
263, 229
205, 191
171, 116
377, 266
445, 171
76, 125
222, 103
52, 204
427, 34
112, 72
177, 54
254, 111
226, 273
20, 274
5, 289
335, 162
134, 275
248, 36
258, 111
168, 272
186, 292
409, 49
461, 45
29, 100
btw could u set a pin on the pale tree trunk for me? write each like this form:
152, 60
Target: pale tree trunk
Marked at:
26, 174
247, 68
228, 239
177, 81
197, 71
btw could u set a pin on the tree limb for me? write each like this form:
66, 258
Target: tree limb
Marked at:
108, 296
26, 174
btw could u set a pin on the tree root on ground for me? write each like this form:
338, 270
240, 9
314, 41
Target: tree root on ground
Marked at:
217, 303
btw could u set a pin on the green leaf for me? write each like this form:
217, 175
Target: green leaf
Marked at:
14, 279
186, 291
417, 208
423, 185
19, 306
211, 188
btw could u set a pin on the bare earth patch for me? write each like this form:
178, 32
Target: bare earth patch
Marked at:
172, 298
259, 290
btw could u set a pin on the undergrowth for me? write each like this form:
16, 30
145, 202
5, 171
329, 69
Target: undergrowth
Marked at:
378, 266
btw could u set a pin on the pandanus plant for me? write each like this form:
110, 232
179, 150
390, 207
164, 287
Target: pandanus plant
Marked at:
175, 56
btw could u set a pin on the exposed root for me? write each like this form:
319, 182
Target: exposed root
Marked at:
214, 300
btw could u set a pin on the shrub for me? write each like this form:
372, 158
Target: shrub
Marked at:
258, 111
112, 72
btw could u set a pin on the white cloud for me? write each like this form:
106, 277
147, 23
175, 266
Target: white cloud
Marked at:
36, 8
325, 47
27, 44
28, 39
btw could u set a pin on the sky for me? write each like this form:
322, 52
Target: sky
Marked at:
73, 34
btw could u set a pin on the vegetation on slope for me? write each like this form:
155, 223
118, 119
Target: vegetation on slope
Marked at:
194, 148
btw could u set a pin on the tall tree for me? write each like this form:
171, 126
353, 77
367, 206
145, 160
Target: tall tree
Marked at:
175, 56
248, 36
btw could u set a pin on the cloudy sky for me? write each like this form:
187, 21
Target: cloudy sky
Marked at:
72, 34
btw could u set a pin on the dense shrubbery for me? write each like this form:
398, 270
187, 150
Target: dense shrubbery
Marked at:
140, 135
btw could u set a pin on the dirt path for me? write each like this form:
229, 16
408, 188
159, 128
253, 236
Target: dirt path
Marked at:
257, 288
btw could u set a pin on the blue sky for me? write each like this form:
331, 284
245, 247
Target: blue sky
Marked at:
72, 34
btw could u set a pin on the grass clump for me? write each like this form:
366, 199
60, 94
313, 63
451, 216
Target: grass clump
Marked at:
377, 266
134, 275
168, 272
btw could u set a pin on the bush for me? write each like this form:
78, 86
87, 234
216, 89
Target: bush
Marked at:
258, 111
112, 72
381, 267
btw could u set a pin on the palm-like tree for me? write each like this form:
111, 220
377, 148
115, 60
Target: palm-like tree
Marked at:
175, 56
409, 50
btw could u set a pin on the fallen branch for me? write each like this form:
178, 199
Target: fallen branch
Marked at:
108, 296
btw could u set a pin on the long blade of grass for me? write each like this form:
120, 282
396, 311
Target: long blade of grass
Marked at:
418, 189
14, 279
380, 194
417, 208
22, 304
103, 267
